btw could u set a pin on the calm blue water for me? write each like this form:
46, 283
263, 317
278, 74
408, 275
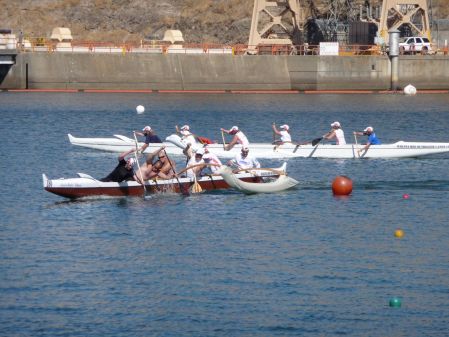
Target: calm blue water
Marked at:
300, 263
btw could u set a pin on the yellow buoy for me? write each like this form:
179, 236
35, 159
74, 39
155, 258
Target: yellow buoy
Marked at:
399, 233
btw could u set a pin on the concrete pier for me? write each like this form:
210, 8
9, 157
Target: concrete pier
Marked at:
134, 71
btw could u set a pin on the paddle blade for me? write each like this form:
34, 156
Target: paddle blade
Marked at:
316, 141
196, 188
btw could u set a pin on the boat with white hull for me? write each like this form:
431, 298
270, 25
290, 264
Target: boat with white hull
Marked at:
174, 146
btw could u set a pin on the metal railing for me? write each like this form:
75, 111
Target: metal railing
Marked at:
159, 47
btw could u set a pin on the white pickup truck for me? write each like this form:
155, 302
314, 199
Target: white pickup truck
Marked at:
415, 44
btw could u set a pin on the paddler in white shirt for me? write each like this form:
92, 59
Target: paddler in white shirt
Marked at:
187, 136
244, 160
198, 163
212, 159
337, 133
284, 133
239, 138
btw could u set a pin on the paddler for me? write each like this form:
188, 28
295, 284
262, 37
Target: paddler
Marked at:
187, 136
196, 163
212, 159
337, 133
239, 138
124, 169
244, 160
150, 168
283, 132
167, 170
150, 137
372, 138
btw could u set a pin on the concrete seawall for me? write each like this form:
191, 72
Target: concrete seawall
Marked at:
82, 71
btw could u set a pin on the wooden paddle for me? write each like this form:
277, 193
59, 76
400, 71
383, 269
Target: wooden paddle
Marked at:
356, 143
222, 137
195, 165
183, 190
196, 188
314, 142
138, 166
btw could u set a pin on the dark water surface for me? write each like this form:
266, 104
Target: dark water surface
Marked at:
223, 264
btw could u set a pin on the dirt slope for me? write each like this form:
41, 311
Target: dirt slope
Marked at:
213, 21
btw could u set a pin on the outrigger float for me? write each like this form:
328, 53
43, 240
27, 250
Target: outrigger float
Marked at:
282, 183
174, 146
87, 186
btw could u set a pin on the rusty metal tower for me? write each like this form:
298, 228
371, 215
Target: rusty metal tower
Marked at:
405, 14
277, 22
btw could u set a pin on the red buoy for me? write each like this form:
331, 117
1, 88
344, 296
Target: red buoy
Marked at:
342, 185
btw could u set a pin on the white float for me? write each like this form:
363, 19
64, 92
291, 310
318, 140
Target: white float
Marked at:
410, 90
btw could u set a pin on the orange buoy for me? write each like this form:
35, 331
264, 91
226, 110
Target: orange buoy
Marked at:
342, 185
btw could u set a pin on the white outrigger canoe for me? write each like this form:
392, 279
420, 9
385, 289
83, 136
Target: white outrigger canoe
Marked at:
174, 146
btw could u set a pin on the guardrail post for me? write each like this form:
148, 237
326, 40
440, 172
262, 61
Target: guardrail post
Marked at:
394, 57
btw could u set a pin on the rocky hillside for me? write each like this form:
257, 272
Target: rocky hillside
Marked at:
213, 21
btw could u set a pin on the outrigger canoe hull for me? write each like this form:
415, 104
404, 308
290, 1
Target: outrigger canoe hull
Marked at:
399, 149
86, 186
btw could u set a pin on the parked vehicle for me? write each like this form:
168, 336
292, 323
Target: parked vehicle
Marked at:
415, 44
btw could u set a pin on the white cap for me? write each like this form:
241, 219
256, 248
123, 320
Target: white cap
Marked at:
285, 127
369, 128
336, 124
200, 152
245, 149
147, 128
234, 128
185, 127
131, 161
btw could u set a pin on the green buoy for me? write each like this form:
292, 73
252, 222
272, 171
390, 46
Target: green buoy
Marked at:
395, 302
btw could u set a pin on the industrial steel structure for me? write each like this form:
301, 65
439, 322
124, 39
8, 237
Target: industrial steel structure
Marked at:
283, 22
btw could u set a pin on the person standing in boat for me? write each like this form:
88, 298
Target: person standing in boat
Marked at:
284, 133
372, 138
124, 169
244, 160
239, 138
150, 137
337, 133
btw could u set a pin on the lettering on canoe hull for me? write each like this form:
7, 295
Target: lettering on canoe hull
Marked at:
423, 146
